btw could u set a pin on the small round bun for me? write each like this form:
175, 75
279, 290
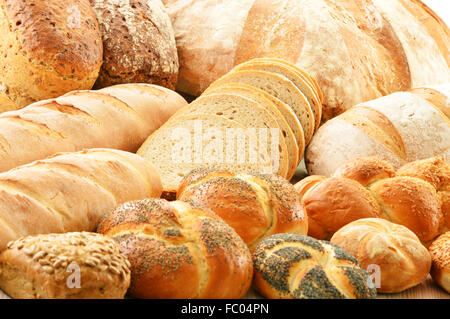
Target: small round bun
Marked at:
78, 265
440, 256
290, 266
179, 250
255, 205
365, 170
308, 183
393, 250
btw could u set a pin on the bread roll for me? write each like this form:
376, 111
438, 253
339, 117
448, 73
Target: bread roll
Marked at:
48, 48
179, 251
138, 41
71, 192
440, 255
393, 251
399, 128
255, 205
119, 117
77, 265
289, 266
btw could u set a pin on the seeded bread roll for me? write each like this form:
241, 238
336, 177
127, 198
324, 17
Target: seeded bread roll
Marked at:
289, 266
71, 191
178, 250
139, 43
440, 256
47, 48
400, 259
255, 205
78, 265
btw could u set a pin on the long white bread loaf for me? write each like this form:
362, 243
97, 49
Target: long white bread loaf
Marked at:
71, 191
119, 117
357, 50
399, 128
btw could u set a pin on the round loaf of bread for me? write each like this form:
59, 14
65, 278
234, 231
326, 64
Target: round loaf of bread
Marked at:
255, 205
440, 256
77, 265
292, 266
178, 250
139, 43
394, 255
48, 48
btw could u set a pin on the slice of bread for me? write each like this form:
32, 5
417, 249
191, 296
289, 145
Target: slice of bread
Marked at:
250, 114
261, 97
199, 140
280, 87
291, 72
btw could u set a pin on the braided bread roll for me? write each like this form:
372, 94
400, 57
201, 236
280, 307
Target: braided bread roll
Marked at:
119, 117
178, 250
289, 266
369, 188
71, 192
402, 260
255, 205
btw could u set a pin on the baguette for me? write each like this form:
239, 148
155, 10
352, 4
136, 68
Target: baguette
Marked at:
119, 117
71, 192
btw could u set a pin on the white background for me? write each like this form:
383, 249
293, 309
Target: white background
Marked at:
441, 8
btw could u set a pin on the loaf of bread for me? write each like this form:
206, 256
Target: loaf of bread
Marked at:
289, 266
357, 50
369, 188
398, 128
179, 250
71, 191
440, 255
138, 43
48, 48
255, 205
76, 265
119, 117
392, 252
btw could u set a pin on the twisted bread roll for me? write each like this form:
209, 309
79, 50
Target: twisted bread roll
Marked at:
255, 205
289, 266
119, 117
402, 260
368, 188
71, 191
178, 250
440, 255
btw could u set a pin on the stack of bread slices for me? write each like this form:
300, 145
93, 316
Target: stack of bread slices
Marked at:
274, 107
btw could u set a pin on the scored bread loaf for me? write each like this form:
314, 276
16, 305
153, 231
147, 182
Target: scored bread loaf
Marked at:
357, 50
369, 188
179, 250
392, 250
193, 141
138, 43
255, 205
75, 265
71, 191
48, 48
119, 117
290, 266
398, 128
248, 113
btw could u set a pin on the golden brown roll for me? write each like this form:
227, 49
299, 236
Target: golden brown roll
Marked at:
394, 253
308, 183
178, 250
77, 265
255, 205
290, 266
440, 256
335, 202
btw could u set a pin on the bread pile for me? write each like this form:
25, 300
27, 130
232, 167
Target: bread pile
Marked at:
415, 196
52, 47
399, 128
272, 103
